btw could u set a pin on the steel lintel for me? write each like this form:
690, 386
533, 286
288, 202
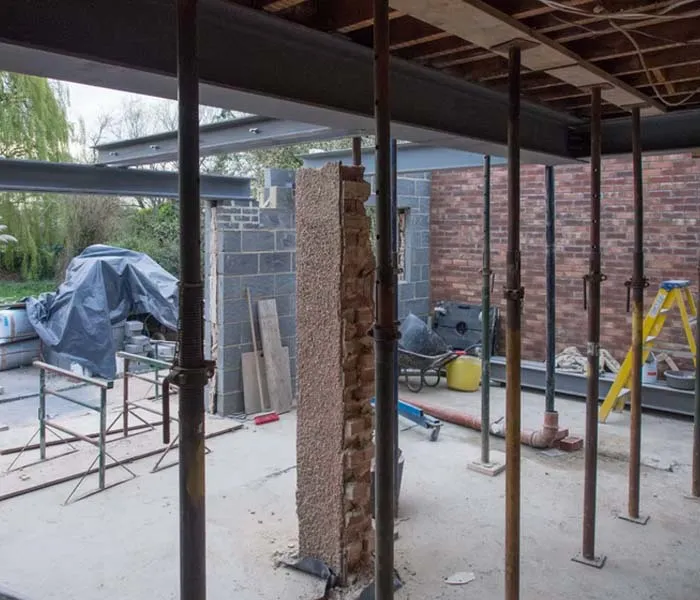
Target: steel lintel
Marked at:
671, 132
65, 178
224, 137
130, 45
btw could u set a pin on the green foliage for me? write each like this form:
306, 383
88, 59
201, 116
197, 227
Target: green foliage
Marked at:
33, 125
87, 220
37, 225
13, 291
33, 120
155, 231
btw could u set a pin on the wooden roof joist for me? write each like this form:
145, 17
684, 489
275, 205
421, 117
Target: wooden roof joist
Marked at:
479, 23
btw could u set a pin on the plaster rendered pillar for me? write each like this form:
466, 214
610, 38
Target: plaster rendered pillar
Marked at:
335, 274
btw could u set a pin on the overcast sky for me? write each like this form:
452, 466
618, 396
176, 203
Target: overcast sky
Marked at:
89, 102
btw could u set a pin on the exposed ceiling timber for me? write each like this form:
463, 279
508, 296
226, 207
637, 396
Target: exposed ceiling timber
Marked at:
481, 24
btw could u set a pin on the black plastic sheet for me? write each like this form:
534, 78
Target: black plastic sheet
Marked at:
102, 287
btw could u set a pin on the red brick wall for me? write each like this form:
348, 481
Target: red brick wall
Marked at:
672, 212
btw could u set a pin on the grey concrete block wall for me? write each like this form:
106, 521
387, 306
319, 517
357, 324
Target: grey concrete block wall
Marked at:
256, 250
414, 284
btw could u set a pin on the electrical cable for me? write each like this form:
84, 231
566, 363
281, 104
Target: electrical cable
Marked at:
637, 31
647, 71
624, 15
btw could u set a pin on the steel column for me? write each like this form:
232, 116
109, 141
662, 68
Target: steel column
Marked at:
357, 151
395, 260
102, 438
514, 297
486, 317
592, 281
190, 365
695, 490
551, 276
385, 333
637, 284
42, 414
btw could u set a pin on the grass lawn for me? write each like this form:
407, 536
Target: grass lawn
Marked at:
12, 291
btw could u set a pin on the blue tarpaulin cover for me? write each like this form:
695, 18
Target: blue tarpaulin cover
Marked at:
102, 287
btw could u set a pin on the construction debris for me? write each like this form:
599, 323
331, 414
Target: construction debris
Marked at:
570, 360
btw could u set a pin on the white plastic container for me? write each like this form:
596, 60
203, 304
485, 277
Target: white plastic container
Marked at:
649, 370
15, 325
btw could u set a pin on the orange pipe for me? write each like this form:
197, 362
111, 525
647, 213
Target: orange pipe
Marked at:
541, 438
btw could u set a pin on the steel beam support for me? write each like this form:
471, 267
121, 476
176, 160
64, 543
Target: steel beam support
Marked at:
592, 280
286, 74
486, 317
484, 465
411, 158
551, 277
514, 298
395, 262
357, 151
65, 178
637, 285
695, 485
225, 137
385, 330
675, 131
190, 366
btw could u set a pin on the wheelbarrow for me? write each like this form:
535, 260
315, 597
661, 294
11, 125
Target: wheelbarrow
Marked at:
419, 370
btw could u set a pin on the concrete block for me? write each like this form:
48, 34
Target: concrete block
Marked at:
425, 273
230, 381
424, 206
417, 307
424, 239
422, 188
231, 358
275, 262
280, 198
257, 241
409, 202
238, 264
230, 404
407, 291
261, 286
414, 272
420, 221
234, 311
422, 289
288, 326
229, 241
229, 288
272, 218
285, 283
420, 256
230, 333
278, 177
286, 305
285, 240
406, 187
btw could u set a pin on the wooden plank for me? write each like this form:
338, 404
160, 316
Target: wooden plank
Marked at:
278, 376
252, 399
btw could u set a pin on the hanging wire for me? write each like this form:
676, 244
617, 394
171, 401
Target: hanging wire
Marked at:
624, 15
647, 71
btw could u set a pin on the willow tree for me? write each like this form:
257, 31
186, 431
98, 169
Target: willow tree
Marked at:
33, 125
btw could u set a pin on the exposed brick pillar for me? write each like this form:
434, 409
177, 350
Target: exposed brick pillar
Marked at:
335, 369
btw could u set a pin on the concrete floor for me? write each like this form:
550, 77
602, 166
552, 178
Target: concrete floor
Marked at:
124, 543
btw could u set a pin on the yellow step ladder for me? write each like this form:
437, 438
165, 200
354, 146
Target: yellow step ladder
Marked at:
674, 292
